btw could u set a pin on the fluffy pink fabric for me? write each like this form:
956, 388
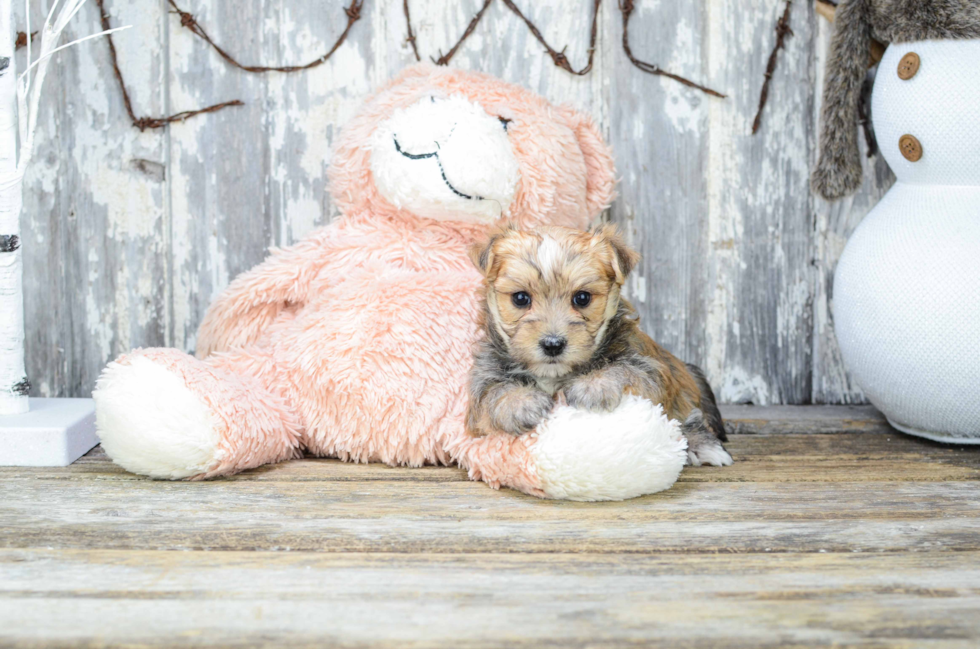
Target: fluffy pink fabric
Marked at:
357, 342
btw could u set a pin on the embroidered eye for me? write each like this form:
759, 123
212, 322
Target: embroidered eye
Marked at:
505, 121
582, 299
521, 300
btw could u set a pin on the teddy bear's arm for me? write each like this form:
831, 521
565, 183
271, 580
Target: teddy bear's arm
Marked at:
256, 297
579, 455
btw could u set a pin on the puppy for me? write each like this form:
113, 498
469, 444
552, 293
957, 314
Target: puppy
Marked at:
556, 327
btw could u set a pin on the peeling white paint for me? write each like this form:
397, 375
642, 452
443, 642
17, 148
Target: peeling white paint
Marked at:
741, 387
724, 217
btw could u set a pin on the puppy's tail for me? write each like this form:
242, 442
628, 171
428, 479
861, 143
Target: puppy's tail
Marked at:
709, 409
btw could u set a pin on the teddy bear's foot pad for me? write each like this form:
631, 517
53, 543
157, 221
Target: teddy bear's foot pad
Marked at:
151, 423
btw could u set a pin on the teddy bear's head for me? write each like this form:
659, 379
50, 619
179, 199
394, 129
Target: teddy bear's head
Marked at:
452, 145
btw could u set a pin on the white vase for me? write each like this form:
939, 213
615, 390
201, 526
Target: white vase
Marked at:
906, 297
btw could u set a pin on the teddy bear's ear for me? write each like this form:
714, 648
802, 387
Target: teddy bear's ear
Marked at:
601, 181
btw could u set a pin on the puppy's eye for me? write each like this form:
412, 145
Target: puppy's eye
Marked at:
582, 299
505, 121
521, 299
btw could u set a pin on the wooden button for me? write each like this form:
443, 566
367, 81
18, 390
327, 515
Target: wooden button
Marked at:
910, 147
908, 66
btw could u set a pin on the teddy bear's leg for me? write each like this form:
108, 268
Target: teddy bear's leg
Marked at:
165, 414
500, 460
579, 455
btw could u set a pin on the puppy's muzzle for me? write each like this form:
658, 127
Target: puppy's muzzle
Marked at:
553, 345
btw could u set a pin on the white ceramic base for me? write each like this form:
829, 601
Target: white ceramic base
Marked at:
55, 432
936, 437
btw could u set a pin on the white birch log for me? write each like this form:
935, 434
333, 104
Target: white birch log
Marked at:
19, 99
13, 380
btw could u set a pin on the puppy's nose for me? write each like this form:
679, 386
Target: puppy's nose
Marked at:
553, 345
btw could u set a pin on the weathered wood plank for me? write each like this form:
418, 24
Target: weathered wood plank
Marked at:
218, 163
759, 247
660, 135
502, 45
158, 598
804, 419
129, 236
805, 467
864, 457
467, 517
832, 225
95, 220
304, 112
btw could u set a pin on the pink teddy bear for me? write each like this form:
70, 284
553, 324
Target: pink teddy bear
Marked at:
356, 343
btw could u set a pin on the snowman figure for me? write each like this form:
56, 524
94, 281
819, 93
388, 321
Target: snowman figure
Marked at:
906, 300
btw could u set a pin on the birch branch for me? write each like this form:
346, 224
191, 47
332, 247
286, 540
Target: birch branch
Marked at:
20, 97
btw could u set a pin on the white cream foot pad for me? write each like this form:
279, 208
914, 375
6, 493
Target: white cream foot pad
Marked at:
632, 451
55, 432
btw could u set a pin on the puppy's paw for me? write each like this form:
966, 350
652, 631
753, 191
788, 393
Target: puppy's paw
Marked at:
520, 410
706, 450
595, 394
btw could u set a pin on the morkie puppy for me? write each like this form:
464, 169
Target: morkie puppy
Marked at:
556, 327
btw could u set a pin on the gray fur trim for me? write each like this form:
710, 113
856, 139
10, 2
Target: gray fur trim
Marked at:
900, 21
838, 171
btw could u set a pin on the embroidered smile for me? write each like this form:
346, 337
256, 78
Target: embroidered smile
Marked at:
435, 154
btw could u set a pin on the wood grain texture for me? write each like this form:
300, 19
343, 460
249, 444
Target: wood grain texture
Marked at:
790, 503
95, 218
833, 223
803, 419
129, 235
858, 539
286, 599
660, 135
866, 538
771, 453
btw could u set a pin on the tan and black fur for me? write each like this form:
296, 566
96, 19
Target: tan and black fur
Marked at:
561, 346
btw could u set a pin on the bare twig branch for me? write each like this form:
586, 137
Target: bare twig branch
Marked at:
782, 31
559, 57
411, 35
445, 58
143, 123
187, 20
627, 7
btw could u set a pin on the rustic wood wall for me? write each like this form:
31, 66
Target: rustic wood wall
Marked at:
129, 235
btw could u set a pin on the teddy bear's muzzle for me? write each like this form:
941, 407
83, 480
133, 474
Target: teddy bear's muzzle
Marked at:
447, 159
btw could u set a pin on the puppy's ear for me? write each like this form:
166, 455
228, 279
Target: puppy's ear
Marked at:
481, 252
624, 258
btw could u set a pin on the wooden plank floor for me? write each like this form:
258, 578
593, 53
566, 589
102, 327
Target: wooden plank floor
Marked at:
830, 530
